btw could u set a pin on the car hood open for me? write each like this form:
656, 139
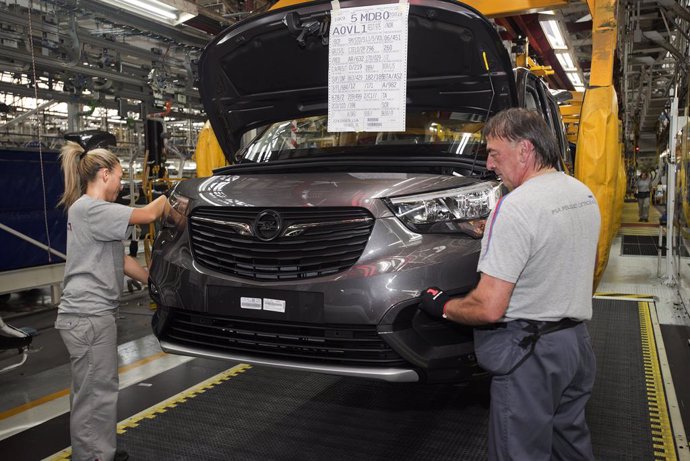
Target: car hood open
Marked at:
256, 72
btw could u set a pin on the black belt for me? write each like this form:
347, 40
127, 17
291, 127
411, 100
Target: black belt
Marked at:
537, 329
540, 328
542, 325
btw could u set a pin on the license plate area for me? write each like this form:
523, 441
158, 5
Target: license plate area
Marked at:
263, 303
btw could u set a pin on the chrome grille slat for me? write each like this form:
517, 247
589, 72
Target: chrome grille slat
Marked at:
314, 236
322, 252
325, 241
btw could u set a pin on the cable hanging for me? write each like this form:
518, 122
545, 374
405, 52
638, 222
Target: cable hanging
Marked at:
40, 133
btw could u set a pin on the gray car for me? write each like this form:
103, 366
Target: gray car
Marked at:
310, 250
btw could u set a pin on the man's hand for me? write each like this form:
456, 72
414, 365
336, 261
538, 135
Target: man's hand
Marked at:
434, 301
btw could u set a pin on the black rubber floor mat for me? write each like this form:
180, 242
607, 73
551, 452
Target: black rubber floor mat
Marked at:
644, 245
617, 413
270, 414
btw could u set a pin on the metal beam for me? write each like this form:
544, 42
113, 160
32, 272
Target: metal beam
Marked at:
32, 241
656, 37
21, 117
54, 64
672, 5
183, 36
85, 100
32, 277
84, 35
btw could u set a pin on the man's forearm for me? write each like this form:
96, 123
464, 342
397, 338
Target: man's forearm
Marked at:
468, 310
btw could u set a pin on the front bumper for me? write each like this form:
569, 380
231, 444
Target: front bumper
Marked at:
361, 322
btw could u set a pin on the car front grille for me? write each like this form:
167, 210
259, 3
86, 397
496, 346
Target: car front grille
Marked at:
357, 345
313, 242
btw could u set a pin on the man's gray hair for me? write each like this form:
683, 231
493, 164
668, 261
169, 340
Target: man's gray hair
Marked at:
517, 124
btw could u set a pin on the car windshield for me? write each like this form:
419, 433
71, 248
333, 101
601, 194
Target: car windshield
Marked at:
433, 134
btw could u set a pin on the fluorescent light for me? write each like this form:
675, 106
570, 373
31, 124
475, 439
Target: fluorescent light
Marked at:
157, 10
575, 79
580, 88
566, 61
552, 30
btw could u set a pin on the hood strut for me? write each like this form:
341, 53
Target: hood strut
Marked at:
293, 21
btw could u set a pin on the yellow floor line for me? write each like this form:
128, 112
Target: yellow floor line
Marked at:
61, 393
623, 296
663, 442
165, 405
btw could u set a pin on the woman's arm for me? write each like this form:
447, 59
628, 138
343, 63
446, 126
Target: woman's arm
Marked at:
134, 270
151, 212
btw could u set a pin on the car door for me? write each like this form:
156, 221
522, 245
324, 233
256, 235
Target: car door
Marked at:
534, 95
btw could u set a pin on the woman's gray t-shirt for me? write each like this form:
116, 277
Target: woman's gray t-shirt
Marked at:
94, 271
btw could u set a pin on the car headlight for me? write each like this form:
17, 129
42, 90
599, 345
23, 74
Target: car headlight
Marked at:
179, 202
463, 209
177, 217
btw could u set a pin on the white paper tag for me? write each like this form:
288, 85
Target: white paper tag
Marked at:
250, 303
275, 305
367, 68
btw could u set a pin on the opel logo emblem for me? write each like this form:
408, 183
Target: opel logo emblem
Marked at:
267, 225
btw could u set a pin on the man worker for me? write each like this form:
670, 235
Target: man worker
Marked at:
537, 265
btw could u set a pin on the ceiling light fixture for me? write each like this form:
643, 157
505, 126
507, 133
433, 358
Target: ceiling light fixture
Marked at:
575, 79
566, 61
552, 30
172, 12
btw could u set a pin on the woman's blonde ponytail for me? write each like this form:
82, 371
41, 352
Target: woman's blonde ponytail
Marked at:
70, 155
80, 168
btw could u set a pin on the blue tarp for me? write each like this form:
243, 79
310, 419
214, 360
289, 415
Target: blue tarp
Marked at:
21, 208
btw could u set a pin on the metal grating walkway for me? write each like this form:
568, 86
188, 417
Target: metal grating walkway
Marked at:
644, 245
254, 413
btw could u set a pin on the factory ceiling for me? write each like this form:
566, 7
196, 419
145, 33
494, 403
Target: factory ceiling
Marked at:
97, 51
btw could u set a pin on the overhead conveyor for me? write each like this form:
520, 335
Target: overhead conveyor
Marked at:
256, 413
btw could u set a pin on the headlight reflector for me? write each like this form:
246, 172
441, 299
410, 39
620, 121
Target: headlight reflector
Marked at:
176, 219
462, 209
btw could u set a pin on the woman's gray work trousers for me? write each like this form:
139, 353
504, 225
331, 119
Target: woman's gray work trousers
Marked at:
92, 346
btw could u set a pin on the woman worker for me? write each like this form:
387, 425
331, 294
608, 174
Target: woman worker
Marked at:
94, 278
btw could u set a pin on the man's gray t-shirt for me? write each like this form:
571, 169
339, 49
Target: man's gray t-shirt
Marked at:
94, 271
543, 237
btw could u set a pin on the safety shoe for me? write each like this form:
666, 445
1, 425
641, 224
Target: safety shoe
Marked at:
121, 455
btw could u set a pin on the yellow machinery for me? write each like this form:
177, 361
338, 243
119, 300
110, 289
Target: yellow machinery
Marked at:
599, 156
208, 154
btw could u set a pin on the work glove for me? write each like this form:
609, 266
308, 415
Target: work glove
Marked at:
433, 302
